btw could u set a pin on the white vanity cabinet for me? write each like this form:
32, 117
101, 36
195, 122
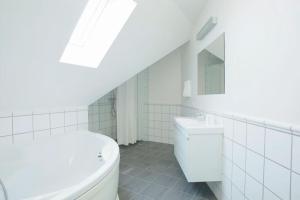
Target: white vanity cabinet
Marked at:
198, 149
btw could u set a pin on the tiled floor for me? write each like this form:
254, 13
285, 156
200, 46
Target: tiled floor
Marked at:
149, 171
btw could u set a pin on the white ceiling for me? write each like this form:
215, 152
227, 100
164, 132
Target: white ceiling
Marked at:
191, 8
34, 34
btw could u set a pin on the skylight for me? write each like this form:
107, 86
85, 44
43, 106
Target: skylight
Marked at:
96, 30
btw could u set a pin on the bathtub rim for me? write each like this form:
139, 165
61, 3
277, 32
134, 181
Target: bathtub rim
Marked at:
95, 178
78, 189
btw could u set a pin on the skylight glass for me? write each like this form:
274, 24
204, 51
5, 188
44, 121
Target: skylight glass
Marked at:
96, 30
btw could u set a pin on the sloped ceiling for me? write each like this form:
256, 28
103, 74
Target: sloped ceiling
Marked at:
34, 34
191, 8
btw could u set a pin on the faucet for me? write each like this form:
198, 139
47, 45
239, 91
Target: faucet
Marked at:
4, 190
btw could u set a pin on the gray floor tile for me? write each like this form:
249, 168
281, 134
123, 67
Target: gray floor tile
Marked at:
184, 186
203, 192
125, 194
154, 191
136, 185
175, 172
132, 170
140, 197
123, 167
156, 167
150, 171
124, 179
147, 175
167, 181
176, 195
200, 198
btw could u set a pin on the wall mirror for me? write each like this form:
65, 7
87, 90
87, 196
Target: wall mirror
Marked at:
211, 68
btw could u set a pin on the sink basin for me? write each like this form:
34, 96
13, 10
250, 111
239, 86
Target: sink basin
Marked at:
195, 126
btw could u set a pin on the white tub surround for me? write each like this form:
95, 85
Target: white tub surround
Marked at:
77, 165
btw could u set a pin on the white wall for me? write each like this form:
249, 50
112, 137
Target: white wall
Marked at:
33, 39
262, 64
165, 80
262, 77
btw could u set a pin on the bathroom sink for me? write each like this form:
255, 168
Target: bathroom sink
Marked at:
194, 125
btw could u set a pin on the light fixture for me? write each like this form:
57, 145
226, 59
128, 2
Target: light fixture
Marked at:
96, 30
210, 24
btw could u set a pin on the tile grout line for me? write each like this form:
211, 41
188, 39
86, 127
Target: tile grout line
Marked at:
77, 113
50, 124
246, 160
291, 166
33, 134
64, 121
257, 181
12, 128
265, 157
264, 163
233, 133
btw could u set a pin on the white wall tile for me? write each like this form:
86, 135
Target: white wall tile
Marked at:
239, 155
228, 148
238, 178
41, 122
269, 195
228, 128
295, 187
22, 124
58, 131
4, 114
70, 129
255, 165
255, 138
5, 140
227, 167
57, 120
296, 154
239, 134
28, 126
165, 117
277, 179
82, 116
5, 126
26, 138
22, 113
278, 147
42, 135
83, 126
70, 118
236, 194
226, 187
253, 190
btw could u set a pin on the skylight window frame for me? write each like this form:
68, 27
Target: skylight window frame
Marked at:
96, 30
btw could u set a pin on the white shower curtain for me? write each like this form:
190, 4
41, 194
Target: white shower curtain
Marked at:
127, 112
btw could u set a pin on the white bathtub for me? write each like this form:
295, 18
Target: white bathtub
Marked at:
61, 167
